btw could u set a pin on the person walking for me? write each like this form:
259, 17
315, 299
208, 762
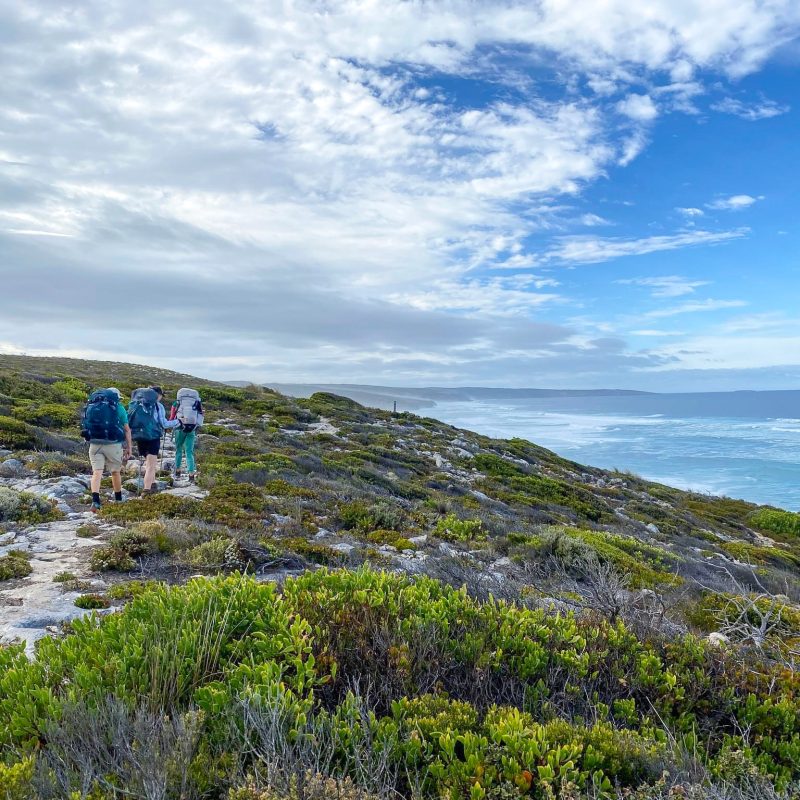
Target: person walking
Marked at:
105, 427
148, 421
188, 410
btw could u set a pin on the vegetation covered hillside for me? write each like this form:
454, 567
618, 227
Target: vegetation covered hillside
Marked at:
355, 604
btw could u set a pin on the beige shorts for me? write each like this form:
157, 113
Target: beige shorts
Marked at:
106, 456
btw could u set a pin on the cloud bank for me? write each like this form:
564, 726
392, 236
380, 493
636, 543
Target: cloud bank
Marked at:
327, 190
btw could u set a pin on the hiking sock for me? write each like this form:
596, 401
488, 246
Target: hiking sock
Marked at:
96, 498
118, 497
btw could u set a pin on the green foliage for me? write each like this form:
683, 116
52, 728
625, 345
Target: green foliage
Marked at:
496, 466
15, 779
364, 517
212, 554
313, 551
64, 577
217, 430
646, 564
16, 435
453, 529
88, 531
25, 508
393, 538
755, 554
111, 558
15, 564
48, 415
92, 601
772, 520
150, 507
130, 589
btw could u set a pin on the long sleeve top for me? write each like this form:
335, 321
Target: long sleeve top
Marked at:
161, 416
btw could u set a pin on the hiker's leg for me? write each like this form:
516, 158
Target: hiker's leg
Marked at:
97, 479
116, 481
150, 464
189, 445
180, 440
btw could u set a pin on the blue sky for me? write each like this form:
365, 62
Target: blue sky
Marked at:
462, 192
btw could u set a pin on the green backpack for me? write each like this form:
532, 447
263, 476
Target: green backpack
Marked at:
142, 415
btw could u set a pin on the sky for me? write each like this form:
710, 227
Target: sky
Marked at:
562, 193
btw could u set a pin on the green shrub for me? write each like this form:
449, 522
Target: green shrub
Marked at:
63, 577
16, 435
130, 589
313, 551
217, 430
392, 538
212, 554
755, 554
363, 517
91, 601
772, 520
25, 508
151, 507
111, 559
15, 564
453, 529
88, 530
47, 415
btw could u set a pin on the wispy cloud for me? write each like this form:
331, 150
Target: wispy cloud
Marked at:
695, 307
666, 286
764, 109
735, 202
690, 212
593, 249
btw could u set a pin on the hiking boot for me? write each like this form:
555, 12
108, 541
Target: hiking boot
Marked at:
151, 490
95, 507
191, 477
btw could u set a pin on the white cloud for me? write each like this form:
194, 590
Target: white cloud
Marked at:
656, 333
593, 220
765, 109
593, 249
735, 202
695, 307
690, 212
285, 160
639, 107
666, 286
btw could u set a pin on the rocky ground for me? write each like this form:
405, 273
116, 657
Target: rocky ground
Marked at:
36, 605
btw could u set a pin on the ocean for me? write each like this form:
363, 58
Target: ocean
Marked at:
742, 444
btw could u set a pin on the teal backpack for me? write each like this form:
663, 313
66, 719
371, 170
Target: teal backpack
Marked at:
142, 415
100, 421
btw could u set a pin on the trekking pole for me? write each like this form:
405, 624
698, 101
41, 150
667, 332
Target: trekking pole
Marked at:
163, 445
140, 479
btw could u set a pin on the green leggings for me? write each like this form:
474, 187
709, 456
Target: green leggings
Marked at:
185, 441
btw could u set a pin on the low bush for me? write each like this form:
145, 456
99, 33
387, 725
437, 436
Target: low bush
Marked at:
16, 435
453, 529
92, 601
393, 538
15, 564
111, 559
772, 520
25, 508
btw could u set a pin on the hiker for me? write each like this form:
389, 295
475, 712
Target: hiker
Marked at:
148, 421
105, 427
188, 410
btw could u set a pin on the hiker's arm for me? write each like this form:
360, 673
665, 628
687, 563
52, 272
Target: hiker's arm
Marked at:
128, 440
162, 418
